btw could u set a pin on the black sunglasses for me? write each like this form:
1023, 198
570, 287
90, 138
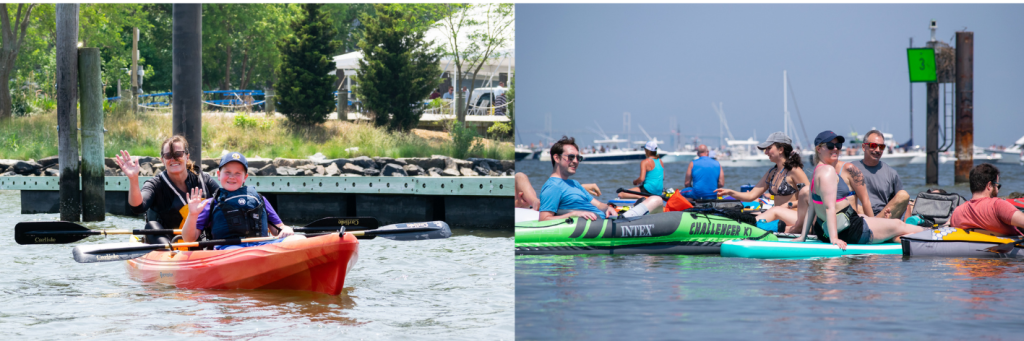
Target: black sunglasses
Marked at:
998, 185
831, 145
173, 155
572, 157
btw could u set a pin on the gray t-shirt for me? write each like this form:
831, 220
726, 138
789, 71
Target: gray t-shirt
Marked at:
882, 183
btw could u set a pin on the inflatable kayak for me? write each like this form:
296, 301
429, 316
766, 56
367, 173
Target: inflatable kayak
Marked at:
684, 232
955, 242
312, 264
807, 249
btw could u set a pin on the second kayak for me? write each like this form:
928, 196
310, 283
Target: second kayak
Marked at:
806, 249
317, 264
661, 233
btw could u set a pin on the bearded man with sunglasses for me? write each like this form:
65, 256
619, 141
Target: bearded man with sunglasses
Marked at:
561, 197
885, 190
985, 210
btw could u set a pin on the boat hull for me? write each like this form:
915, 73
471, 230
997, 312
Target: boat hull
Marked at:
954, 242
678, 157
317, 264
802, 250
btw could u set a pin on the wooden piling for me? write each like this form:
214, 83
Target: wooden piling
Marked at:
187, 76
67, 115
964, 107
90, 95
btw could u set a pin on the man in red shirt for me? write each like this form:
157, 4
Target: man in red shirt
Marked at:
985, 210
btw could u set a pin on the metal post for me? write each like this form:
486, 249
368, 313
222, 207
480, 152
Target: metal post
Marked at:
911, 102
67, 115
90, 93
931, 176
187, 76
964, 106
135, 71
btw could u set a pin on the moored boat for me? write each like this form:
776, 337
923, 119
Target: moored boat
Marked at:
317, 264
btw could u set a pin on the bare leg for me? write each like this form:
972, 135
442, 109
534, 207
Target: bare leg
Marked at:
787, 215
898, 205
801, 211
653, 202
624, 195
884, 229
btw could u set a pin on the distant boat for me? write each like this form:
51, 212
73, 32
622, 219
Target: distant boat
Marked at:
523, 153
1013, 154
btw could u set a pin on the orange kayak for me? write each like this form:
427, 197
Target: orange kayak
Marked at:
312, 264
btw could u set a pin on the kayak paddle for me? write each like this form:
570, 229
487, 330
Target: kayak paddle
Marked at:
125, 251
64, 232
1003, 248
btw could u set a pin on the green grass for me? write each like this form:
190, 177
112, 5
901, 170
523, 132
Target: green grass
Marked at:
35, 137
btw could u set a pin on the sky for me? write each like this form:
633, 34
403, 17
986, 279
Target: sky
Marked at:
586, 64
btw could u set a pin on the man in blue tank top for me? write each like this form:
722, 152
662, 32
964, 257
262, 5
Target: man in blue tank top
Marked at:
703, 176
561, 197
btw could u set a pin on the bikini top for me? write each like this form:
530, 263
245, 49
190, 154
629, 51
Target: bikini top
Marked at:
782, 189
842, 189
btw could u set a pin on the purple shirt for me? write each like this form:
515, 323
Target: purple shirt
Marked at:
203, 219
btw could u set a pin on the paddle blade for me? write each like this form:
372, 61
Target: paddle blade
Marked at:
1002, 248
409, 231
50, 232
112, 252
350, 224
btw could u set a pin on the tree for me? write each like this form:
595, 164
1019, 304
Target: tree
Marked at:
305, 73
13, 36
398, 69
235, 49
481, 39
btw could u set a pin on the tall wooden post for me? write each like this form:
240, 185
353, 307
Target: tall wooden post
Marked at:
67, 115
964, 106
342, 95
187, 76
931, 123
90, 95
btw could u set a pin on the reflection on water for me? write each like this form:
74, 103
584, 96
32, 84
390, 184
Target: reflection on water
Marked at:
460, 287
650, 296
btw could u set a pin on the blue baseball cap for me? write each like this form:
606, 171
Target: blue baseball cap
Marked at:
826, 136
234, 157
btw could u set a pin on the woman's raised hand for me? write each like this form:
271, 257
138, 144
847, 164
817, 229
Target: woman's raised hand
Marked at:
195, 201
129, 165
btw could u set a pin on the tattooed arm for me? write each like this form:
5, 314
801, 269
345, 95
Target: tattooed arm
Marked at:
858, 186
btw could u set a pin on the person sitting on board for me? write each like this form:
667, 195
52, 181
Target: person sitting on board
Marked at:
885, 190
652, 175
833, 212
162, 197
560, 193
985, 210
234, 211
783, 181
703, 176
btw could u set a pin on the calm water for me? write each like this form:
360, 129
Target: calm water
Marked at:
458, 288
716, 298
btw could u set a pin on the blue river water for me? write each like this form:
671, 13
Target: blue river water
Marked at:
666, 297
460, 288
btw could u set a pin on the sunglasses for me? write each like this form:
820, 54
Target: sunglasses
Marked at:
830, 145
998, 185
874, 145
573, 157
173, 155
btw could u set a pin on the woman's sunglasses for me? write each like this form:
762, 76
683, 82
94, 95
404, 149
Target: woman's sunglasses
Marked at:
173, 155
830, 145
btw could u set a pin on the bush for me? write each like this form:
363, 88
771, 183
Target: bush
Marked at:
499, 129
248, 122
20, 105
462, 139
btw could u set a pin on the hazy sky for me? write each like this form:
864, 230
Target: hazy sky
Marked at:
846, 63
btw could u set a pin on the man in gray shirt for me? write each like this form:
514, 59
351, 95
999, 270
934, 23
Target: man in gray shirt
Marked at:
888, 199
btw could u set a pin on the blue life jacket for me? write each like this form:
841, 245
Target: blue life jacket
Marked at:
238, 214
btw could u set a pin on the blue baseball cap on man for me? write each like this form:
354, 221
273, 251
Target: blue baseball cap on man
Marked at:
234, 157
827, 136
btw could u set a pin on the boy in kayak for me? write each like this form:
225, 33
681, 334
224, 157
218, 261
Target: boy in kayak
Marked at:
985, 210
234, 211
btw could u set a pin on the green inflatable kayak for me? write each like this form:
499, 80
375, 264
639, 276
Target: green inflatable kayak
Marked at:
687, 233
807, 249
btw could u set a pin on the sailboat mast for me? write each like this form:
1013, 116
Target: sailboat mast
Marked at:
785, 106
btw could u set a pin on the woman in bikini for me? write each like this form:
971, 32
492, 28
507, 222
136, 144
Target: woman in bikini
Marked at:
834, 219
783, 181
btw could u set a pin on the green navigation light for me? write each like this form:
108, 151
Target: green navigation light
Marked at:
921, 62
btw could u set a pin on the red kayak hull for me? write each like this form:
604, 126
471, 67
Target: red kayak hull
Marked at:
313, 264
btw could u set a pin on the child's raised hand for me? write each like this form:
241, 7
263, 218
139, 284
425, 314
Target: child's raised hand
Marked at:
195, 201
